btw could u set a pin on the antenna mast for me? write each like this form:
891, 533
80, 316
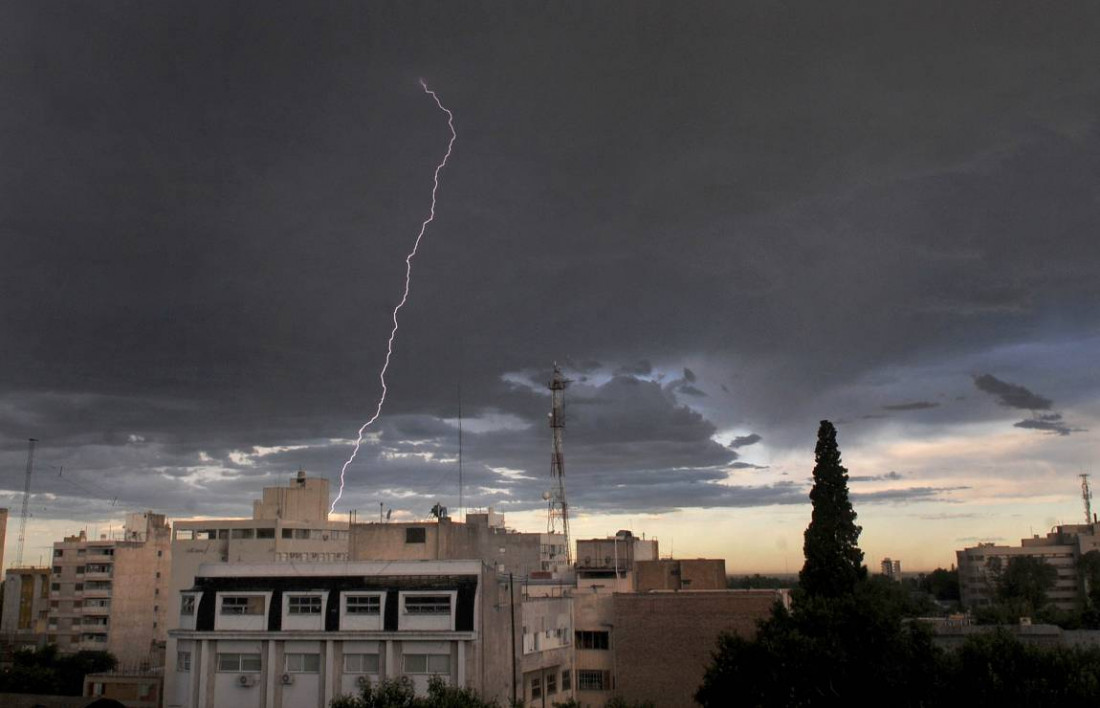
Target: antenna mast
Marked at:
558, 508
31, 442
1086, 496
461, 515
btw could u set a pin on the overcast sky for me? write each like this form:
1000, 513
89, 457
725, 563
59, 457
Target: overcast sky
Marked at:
726, 221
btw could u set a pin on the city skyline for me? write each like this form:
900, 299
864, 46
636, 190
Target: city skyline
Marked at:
726, 223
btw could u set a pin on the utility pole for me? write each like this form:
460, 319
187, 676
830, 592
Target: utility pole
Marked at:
31, 442
558, 508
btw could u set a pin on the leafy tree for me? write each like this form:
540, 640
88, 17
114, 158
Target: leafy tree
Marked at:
756, 582
941, 584
834, 562
399, 693
47, 671
1023, 583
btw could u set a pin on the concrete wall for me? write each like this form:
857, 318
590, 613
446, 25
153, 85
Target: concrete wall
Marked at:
694, 574
663, 641
504, 550
3, 533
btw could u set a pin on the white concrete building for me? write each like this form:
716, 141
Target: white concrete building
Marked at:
281, 635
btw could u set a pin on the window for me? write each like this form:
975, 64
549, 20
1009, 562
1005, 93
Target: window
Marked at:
243, 605
360, 663
56, 570
183, 661
78, 587
238, 534
265, 533
364, 604
288, 533
55, 587
57, 553
427, 663
593, 680
536, 687
238, 663
303, 663
551, 684
187, 605
592, 640
80, 570
416, 535
160, 554
303, 605
566, 681
428, 605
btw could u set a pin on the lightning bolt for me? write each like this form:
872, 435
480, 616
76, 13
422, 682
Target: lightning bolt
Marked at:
405, 295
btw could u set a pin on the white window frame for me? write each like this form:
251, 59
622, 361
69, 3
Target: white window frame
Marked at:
431, 609
351, 668
249, 604
314, 599
244, 663
302, 663
347, 597
429, 660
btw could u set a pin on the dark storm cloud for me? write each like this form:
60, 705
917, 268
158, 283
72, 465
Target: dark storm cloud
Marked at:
745, 440
913, 406
889, 476
1047, 424
642, 367
1011, 395
747, 466
906, 495
205, 213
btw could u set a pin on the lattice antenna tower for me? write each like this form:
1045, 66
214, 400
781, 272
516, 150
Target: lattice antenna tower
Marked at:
557, 508
1086, 496
31, 442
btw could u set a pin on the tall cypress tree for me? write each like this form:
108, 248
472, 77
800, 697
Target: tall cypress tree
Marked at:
834, 563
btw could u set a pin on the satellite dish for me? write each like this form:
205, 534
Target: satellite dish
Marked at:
546, 496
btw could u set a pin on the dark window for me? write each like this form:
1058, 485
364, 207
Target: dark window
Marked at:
304, 605
288, 533
243, 605
592, 640
364, 604
416, 535
265, 533
566, 681
428, 605
593, 680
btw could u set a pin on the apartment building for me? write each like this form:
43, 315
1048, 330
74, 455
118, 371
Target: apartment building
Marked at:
277, 635
111, 594
26, 607
1061, 548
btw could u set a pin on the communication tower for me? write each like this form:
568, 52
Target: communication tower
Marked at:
31, 442
1086, 496
558, 508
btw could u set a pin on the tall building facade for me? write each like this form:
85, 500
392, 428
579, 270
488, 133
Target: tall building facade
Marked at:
26, 607
112, 594
1061, 548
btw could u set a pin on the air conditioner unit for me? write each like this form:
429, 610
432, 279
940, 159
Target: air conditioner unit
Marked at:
362, 681
287, 679
246, 680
